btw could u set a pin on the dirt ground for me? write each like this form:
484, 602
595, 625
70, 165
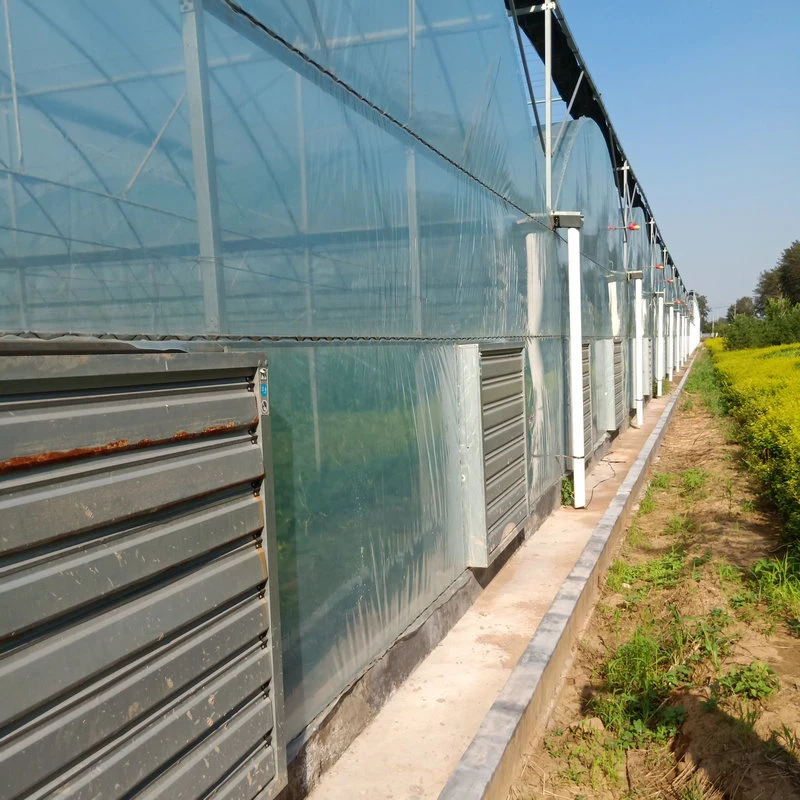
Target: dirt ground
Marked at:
701, 523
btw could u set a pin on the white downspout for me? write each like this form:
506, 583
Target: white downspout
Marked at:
638, 352
671, 344
660, 346
576, 366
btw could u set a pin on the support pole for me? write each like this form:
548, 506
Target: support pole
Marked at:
685, 337
12, 74
676, 345
307, 271
660, 346
671, 344
575, 366
548, 104
638, 352
205, 174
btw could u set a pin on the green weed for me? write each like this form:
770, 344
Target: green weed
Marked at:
694, 790
647, 504
747, 716
567, 490
729, 573
679, 523
662, 572
776, 581
787, 741
637, 536
693, 479
756, 681
661, 480
698, 563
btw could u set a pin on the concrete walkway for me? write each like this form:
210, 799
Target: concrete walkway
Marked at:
409, 750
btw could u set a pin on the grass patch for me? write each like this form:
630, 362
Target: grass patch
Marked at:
659, 657
661, 480
703, 382
679, 524
662, 572
647, 504
693, 480
776, 581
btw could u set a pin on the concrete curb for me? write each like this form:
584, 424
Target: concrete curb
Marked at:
493, 759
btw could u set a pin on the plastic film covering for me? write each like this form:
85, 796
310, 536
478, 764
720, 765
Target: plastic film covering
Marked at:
368, 510
334, 215
345, 169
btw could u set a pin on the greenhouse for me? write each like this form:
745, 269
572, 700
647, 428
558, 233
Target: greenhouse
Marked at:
419, 213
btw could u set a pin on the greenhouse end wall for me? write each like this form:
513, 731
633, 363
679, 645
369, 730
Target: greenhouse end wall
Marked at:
360, 185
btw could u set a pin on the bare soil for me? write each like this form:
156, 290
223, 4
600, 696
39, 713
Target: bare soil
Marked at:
737, 747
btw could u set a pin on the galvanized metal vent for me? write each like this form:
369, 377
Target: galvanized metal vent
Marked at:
139, 645
648, 367
619, 384
503, 415
586, 372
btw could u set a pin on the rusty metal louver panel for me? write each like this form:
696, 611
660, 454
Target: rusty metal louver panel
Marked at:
139, 639
619, 384
503, 416
648, 367
586, 373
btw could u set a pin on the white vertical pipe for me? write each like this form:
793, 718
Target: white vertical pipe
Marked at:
685, 337
660, 346
671, 344
576, 365
638, 352
548, 104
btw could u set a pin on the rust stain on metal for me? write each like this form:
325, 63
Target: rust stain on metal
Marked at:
120, 445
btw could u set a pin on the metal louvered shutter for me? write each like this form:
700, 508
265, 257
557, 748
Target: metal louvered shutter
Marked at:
648, 367
619, 384
139, 637
503, 417
586, 375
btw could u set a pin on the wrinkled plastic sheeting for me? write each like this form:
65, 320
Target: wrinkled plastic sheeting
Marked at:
366, 462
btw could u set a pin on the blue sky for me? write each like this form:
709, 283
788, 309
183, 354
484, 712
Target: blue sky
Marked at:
705, 97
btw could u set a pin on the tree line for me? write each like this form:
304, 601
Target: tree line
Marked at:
772, 315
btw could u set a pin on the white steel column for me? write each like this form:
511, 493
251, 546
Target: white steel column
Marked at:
638, 355
671, 344
660, 345
575, 366
685, 337
548, 103
205, 174
676, 347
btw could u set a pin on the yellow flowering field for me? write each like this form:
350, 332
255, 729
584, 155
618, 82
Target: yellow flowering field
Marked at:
762, 389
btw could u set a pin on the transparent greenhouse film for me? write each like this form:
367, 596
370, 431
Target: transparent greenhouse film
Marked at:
358, 184
367, 500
